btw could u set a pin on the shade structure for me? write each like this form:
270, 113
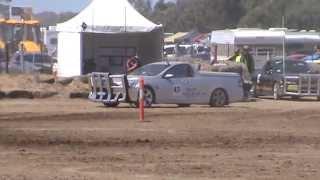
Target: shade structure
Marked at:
108, 16
103, 36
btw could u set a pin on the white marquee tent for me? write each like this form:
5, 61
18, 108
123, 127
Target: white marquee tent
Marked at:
103, 36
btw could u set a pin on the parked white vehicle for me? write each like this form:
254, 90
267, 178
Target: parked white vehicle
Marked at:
168, 83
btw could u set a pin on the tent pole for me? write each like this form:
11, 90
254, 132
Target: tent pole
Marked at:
284, 53
125, 19
125, 34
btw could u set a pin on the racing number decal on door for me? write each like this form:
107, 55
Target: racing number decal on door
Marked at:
177, 90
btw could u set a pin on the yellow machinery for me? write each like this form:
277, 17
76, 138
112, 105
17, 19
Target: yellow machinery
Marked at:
2, 35
23, 34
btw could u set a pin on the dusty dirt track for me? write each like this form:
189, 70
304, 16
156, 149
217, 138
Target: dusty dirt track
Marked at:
75, 139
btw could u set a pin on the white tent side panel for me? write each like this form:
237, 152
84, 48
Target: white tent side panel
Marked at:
222, 37
69, 54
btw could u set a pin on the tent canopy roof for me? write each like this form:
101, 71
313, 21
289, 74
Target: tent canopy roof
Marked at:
108, 16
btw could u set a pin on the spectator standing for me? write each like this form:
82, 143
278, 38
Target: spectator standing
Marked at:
55, 70
244, 57
132, 63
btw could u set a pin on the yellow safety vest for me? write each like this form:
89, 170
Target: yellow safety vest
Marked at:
238, 59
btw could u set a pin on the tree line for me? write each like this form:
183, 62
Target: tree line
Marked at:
208, 15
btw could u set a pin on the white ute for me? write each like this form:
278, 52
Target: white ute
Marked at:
168, 83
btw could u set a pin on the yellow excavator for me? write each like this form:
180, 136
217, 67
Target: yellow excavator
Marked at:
2, 39
23, 34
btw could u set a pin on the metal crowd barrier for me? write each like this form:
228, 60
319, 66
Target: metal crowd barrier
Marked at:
108, 88
307, 85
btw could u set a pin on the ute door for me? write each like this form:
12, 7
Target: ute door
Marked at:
265, 78
178, 80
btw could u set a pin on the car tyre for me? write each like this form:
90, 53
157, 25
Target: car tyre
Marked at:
149, 98
184, 105
276, 91
295, 97
111, 105
219, 98
254, 91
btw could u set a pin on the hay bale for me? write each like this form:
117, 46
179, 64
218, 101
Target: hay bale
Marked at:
47, 81
65, 81
79, 95
2, 94
230, 67
43, 94
83, 79
15, 94
233, 68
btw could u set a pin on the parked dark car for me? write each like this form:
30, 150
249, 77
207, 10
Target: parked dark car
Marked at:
32, 63
297, 81
314, 58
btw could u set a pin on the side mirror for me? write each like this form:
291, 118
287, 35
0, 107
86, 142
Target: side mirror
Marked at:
168, 76
259, 78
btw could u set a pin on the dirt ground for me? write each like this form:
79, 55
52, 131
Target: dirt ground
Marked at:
62, 139
41, 83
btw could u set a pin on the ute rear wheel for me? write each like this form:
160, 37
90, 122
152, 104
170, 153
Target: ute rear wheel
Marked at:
114, 104
276, 91
149, 97
253, 91
184, 105
219, 98
295, 97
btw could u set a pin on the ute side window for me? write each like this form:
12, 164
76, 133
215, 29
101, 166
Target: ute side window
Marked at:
268, 67
181, 71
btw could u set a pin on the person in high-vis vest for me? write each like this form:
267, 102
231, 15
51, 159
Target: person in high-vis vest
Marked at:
243, 56
235, 55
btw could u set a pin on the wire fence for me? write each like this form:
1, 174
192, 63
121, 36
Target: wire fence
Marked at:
20, 62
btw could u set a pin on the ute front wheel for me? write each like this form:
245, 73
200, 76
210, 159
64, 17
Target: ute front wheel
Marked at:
114, 104
149, 98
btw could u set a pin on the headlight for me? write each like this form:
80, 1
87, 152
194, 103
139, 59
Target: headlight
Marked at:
133, 84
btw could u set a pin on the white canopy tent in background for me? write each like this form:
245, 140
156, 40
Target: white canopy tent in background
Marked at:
106, 22
108, 16
262, 37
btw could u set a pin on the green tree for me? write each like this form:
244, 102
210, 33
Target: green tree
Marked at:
206, 15
143, 6
165, 13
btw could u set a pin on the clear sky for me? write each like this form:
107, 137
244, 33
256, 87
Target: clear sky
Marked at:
54, 5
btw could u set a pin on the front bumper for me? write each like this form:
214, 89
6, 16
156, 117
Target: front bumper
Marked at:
302, 85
